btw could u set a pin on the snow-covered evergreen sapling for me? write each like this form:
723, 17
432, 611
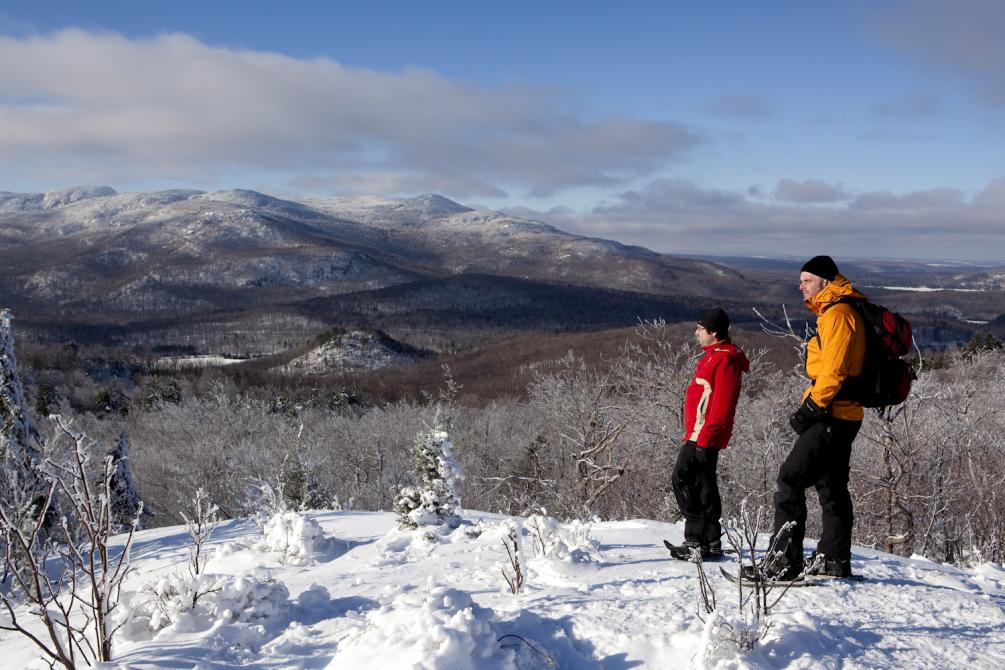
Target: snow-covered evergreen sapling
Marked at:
126, 503
297, 482
14, 426
22, 487
433, 501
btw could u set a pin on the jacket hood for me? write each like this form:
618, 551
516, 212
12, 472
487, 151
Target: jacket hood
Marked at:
731, 350
832, 293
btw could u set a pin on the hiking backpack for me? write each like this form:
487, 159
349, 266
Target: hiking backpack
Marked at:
886, 378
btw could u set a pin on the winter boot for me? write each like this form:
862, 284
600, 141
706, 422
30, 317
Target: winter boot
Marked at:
829, 567
775, 572
684, 552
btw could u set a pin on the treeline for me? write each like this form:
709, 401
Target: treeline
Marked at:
585, 435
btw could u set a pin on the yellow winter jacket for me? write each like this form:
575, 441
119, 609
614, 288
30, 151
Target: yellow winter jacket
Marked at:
838, 350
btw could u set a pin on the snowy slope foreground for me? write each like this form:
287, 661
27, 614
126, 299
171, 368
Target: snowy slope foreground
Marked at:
347, 590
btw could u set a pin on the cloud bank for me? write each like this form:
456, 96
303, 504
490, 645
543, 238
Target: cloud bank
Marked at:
79, 106
677, 216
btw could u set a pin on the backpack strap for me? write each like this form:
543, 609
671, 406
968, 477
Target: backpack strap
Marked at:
843, 300
846, 391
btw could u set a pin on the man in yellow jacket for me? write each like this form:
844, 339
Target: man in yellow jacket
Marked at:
826, 422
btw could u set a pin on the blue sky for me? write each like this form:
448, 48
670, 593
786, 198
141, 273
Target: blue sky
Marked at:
734, 127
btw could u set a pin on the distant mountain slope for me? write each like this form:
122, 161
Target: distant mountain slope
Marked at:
347, 351
90, 254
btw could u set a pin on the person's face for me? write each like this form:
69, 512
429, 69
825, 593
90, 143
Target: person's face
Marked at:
704, 337
810, 284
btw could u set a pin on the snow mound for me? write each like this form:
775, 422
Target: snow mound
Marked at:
443, 629
186, 603
298, 539
403, 545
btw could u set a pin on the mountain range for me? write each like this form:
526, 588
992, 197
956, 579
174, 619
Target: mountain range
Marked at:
89, 257
243, 273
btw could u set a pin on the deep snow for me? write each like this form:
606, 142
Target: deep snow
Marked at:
608, 596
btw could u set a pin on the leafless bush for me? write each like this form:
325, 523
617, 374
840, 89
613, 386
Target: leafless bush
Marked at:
76, 606
200, 523
514, 575
757, 597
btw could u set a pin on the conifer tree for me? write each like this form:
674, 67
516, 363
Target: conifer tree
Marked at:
22, 486
14, 422
433, 501
125, 498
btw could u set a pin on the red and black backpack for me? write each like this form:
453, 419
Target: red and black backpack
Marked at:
886, 378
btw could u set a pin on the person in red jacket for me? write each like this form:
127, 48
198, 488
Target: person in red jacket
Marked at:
709, 407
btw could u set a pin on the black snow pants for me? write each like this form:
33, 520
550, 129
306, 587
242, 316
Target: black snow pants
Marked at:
697, 493
819, 458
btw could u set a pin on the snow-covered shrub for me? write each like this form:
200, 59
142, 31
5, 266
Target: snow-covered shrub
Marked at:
513, 571
200, 522
552, 539
444, 629
336, 504
248, 598
267, 501
433, 501
297, 538
68, 576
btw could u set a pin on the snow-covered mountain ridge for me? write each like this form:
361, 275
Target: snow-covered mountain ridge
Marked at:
94, 247
370, 596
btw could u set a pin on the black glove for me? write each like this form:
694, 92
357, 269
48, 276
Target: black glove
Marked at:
807, 415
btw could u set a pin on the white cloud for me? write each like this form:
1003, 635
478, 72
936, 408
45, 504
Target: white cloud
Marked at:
87, 107
919, 201
675, 216
808, 191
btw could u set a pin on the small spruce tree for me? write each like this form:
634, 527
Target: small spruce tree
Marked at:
15, 428
433, 501
22, 486
125, 498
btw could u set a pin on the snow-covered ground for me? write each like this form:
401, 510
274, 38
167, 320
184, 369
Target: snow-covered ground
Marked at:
207, 361
609, 596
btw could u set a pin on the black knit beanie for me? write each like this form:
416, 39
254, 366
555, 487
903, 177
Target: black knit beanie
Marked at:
715, 321
821, 266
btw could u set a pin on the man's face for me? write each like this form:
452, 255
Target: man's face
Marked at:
810, 284
704, 337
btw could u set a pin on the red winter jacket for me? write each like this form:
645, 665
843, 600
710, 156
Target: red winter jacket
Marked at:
710, 400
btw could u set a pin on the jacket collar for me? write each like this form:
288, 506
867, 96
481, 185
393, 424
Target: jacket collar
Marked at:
832, 294
721, 344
